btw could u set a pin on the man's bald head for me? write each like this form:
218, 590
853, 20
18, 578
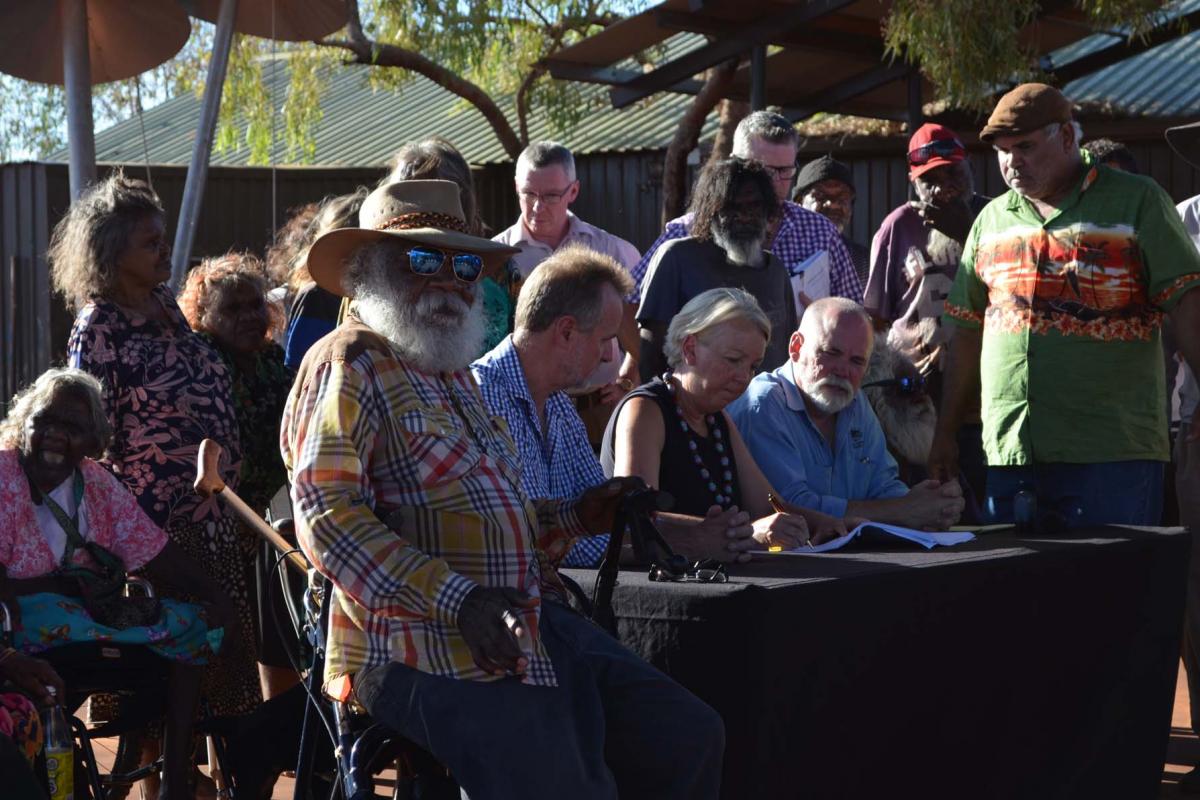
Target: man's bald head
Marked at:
830, 353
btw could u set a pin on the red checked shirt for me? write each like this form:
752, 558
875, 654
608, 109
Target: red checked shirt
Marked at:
367, 439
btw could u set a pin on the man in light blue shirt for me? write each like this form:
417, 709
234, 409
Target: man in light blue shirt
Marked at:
816, 438
567, 318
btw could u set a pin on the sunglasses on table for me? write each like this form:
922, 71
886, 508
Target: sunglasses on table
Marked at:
944, 148
428, 261
904, 385
707, 571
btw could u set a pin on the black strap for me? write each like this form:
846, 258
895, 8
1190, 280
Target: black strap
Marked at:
69, 524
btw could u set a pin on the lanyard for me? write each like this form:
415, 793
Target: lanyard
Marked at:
69, 524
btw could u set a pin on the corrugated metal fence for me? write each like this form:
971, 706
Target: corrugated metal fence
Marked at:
621, 192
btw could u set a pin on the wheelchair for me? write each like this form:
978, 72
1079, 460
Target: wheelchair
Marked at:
138, 678
360, 746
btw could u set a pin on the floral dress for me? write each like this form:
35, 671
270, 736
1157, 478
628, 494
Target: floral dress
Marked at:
165, 390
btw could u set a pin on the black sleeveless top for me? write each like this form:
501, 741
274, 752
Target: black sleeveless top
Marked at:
678, 474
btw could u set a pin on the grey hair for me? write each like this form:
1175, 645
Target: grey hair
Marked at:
33, 398
765, 125
90, 238
1054, 127
547, 154
707, 310
371, 260
569, 283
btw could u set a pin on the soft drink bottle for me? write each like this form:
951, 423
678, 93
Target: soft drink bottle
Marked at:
60, 751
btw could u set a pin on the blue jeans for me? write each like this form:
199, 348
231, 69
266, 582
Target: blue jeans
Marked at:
1111, 493
614, 725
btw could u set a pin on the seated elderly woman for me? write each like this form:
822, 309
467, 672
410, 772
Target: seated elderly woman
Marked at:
673, 433
68, 532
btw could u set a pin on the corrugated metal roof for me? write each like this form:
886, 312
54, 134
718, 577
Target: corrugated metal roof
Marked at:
1160, 82
362, 126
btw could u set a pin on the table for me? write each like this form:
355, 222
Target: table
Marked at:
1009, 667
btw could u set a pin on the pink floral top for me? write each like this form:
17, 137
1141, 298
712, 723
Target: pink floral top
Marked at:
165, 390
115, 522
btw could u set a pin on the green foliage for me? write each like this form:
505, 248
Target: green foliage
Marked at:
969, 48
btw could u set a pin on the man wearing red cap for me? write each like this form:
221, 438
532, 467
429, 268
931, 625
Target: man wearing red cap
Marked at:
914, 258
1063, 286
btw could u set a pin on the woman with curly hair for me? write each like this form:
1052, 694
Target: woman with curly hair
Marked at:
165, 390
225, 301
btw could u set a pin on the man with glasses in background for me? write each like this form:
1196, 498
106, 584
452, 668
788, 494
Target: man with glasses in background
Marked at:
795, 235
547, 184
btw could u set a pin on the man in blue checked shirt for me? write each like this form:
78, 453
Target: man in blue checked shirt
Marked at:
567, 317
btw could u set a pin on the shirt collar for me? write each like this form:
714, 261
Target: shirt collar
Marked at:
575, 228
1091, 171
507, 362
791, 392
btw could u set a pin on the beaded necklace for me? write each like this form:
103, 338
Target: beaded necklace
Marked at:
723, 495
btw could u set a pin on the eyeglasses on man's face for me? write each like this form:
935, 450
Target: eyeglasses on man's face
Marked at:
545, 198
904, 384
783, 172
428, 261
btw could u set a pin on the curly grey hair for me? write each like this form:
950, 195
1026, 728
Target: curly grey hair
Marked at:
89, 239
35, 397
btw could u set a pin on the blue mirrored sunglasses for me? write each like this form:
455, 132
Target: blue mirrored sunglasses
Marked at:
903, 385
427, 261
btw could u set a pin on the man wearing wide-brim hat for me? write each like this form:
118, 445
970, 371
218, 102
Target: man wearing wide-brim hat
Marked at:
1058, 302
1185, 141
444, 621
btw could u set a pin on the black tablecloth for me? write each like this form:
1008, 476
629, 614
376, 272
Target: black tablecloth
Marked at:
1009, 667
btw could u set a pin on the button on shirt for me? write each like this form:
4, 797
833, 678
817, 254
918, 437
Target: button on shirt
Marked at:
579, 232
558, 464
801, 235
1070, 308
797, 459
367, 438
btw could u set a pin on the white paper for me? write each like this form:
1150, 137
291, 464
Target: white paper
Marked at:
926, 539
812, 278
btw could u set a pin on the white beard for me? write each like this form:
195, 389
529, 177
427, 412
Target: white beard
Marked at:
826, 401
908, 427
440, 333
742, 252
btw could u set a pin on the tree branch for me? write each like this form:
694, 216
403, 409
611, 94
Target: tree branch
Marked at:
687, 135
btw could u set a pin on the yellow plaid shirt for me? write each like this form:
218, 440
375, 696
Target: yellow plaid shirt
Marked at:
366, 439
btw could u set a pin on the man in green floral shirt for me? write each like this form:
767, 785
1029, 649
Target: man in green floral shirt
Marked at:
1064, 283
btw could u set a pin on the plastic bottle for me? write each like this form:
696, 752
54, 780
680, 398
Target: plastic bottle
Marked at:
60, 751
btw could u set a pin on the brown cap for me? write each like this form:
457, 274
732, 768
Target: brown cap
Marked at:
1025, 109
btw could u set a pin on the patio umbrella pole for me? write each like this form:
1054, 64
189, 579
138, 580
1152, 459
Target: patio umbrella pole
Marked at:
77, 74
193, 190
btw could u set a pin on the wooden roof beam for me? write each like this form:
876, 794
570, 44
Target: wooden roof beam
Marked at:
586, 73
733, 43
848, 89
823, 40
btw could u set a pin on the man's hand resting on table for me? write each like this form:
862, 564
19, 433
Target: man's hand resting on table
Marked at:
934, 505
491, 624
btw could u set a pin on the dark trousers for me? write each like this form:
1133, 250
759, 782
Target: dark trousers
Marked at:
1111, 493
1187, 485
614, 725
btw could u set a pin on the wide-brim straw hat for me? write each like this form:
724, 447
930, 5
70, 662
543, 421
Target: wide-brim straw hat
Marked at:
1185, 140
421, 212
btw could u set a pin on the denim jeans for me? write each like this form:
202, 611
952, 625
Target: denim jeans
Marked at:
1111, 493
614, 725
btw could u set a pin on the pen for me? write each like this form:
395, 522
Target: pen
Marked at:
778, 508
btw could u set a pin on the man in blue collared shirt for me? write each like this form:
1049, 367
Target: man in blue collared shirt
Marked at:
815, 436
567, 317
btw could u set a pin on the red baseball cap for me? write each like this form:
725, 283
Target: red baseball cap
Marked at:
932, 146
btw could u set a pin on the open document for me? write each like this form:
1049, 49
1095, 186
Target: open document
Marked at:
882, 533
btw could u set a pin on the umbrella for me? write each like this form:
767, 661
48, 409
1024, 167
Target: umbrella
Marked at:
46, 41
286, 20
283, 20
